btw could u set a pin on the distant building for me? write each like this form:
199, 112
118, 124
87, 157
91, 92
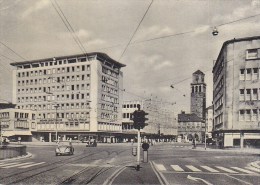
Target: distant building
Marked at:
79, 96
190, 126
198, 94
161, 122
209, 121
236, 93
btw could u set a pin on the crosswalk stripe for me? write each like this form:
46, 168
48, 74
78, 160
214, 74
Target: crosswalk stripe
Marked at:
177, 168
15, 165
7, 164
225, 169
209, 169
193, 168
30, 165
242, 170
253, 169
160, 167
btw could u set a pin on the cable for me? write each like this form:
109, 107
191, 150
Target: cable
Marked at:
238, 20
135, 30
12, 51
69, 27
5, 67
7, 58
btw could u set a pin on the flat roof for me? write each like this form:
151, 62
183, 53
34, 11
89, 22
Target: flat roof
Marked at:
102, 56
233, 41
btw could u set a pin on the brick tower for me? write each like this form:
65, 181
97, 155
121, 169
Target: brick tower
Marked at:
198, 94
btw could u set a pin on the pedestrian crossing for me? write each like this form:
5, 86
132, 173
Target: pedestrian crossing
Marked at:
204, 169
22, 165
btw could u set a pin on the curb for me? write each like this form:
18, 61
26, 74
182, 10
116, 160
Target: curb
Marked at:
28, 155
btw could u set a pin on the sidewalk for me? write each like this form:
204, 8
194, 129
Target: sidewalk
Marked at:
235, 150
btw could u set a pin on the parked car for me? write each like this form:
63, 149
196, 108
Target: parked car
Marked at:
64, 148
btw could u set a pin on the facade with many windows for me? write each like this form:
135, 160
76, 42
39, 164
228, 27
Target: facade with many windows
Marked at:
77, 95
160, 124
236, 93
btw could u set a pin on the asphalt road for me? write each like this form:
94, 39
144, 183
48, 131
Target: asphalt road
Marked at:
114, 164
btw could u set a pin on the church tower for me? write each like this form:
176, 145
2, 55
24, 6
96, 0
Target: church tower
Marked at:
198, 94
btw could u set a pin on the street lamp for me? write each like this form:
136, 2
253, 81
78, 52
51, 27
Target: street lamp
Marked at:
56, 117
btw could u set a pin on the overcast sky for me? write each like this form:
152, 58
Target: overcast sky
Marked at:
173, 39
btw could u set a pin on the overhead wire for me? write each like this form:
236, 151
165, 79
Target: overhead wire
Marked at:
12, 51
136, 30
68, 26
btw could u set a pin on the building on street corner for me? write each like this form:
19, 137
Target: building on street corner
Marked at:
236, 93
74, 97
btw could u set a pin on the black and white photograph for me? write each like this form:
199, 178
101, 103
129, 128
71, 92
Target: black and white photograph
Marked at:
130, 92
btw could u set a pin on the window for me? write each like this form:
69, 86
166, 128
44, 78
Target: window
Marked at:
251, 54
254, 95
248, 74
242, 95
254, 116
248, 115
248, 94
255, 74
242, 74
241, 115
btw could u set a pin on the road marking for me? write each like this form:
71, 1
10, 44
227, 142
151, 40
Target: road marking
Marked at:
253, 169
209, 169
7, 164
30, 165
193, 168
160, 176
160, 167
196, 179
225, 169
238, 179
15, 165
177, 168
243, 170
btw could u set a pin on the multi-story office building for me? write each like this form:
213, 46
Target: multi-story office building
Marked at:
74, 96
236, 92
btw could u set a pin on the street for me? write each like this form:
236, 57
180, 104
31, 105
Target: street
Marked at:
168, 163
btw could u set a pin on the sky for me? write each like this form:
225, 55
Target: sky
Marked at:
162, 42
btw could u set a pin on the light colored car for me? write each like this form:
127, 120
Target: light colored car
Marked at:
64, 148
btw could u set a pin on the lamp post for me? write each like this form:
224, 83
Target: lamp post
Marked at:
56, 117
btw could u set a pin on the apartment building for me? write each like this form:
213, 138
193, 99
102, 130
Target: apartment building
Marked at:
236, 93
76, 96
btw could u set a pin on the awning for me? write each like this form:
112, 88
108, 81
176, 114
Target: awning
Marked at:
16, 133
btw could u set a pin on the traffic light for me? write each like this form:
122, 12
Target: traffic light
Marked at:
139, 119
